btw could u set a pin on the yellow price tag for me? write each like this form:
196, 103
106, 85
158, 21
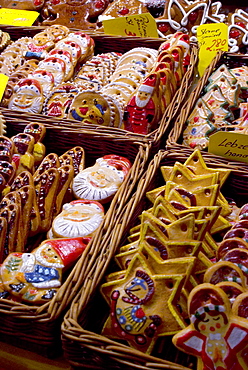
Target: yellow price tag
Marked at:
142, 25
17, 17
3, 83
211, 38
232, 145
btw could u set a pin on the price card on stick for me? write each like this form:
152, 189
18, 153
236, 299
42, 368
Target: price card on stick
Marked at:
211, 38
231, 145
3, 83
17, 17
142, 25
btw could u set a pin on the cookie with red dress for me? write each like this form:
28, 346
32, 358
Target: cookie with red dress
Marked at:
216, 335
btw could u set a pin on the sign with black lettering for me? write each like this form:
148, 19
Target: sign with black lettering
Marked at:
232, 145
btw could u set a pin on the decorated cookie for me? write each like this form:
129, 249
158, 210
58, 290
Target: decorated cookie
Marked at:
27, 96
72, 14
123, 8
56, 66
25, 5
58, 102
215, 336
79, 218
237, 30
45, 78
93, 107
141, 108
38, 131
35, 277
137, 313
101, 181
224, 271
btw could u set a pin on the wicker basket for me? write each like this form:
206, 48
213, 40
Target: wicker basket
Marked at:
37, 328
174, 141
106, 43
83, 345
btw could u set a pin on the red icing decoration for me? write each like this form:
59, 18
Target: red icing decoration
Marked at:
234, 34
211, 101
139, 313
241, 24
163, 27
193, 16
196, 119
124, 11
100, 4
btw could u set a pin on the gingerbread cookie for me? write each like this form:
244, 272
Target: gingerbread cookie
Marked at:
214, 329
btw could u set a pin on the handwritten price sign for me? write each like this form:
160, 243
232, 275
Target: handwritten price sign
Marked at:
17, 17
142, 25
211, 38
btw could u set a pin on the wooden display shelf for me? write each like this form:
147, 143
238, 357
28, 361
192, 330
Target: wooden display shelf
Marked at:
19, 359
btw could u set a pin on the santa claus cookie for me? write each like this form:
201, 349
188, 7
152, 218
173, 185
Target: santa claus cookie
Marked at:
27, 96
101, 181
56, 66
216, 335
79, 218
35, 277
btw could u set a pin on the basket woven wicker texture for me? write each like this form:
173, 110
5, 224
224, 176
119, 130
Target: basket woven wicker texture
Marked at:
37, 328
106, 43
83, 345
175, 136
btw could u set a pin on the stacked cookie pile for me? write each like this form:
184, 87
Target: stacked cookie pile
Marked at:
168, 254
218, 307
140, 89
222, 106
63, 79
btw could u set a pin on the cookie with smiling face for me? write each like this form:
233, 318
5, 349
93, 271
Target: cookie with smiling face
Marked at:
96, 108
79, 218
216, 335
101, 181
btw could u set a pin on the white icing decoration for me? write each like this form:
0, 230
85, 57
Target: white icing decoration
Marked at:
47, 284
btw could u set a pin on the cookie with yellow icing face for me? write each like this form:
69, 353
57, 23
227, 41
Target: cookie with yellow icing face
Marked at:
79, 218
96, 108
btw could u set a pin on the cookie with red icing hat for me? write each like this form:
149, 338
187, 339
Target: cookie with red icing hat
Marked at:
101, 181
36, 276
